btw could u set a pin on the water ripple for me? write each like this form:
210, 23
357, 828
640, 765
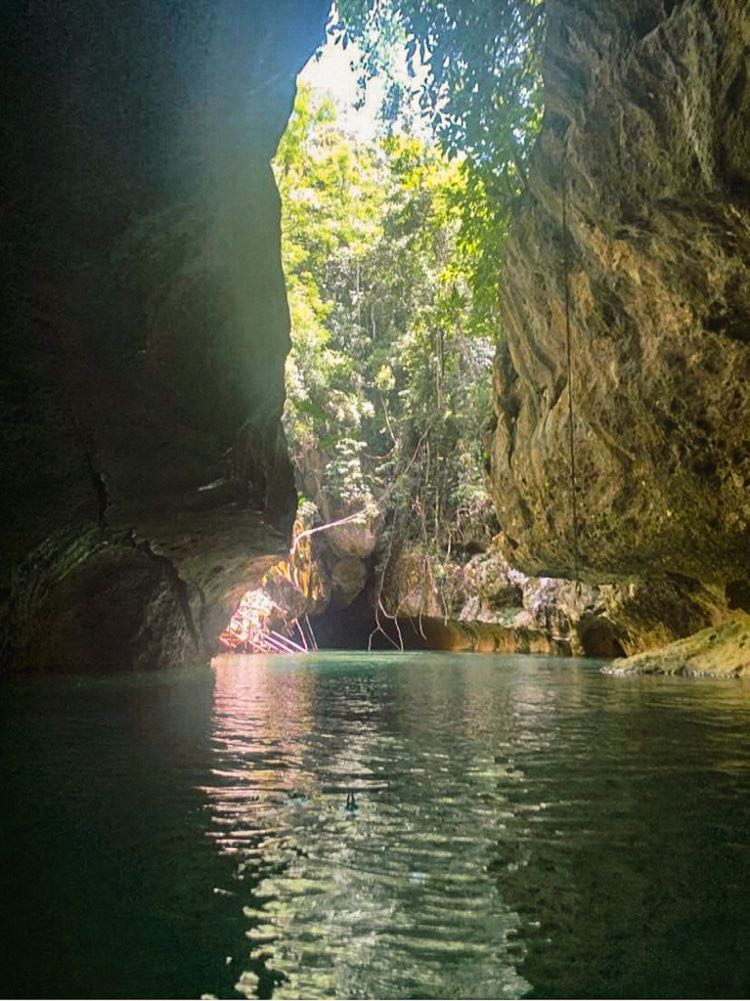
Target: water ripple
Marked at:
482, 810
391, 899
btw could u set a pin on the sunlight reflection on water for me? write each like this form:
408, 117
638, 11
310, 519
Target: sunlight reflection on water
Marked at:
523, 825
394, 897
500, 801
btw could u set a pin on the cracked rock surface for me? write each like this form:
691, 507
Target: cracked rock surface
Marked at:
648, 122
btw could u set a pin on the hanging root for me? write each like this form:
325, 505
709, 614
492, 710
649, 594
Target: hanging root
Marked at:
249, 630
313, 641
380, 610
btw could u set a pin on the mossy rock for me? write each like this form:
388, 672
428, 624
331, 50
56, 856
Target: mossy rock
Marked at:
720, 651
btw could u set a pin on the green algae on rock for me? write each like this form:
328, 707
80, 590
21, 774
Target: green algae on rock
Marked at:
717, 652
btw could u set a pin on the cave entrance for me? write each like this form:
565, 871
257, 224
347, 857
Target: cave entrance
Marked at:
388, 378
350, 628
601, 637
395, 198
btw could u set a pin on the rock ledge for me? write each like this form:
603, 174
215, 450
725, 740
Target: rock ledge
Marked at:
721, 652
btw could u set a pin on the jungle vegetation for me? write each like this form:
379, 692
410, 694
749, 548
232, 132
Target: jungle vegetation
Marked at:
388, 380
392, 251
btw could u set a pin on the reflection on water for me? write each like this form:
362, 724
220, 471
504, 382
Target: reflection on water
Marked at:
522, 826
525, 826
394, 898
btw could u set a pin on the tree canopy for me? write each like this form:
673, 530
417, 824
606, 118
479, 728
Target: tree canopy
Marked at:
479, 61
393, 253
473, 68
388, 380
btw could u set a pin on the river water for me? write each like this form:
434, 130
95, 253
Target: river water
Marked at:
524, 826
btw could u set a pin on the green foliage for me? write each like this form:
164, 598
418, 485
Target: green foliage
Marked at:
479, 62
388, 380
473, 68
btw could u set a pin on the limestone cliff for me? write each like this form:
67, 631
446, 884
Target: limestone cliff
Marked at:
145, 320
485, 605
647, 127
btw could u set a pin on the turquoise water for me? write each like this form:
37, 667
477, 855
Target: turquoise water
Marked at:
525, 826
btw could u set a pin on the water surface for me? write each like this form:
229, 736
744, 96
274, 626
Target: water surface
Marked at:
525, 826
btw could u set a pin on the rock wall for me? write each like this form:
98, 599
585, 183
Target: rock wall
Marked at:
648, 127
487, 606
715, 652
145, 321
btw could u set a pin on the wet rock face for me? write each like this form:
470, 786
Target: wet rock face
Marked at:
88, 594
648, 125
715, 652
145, 317
488, 606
